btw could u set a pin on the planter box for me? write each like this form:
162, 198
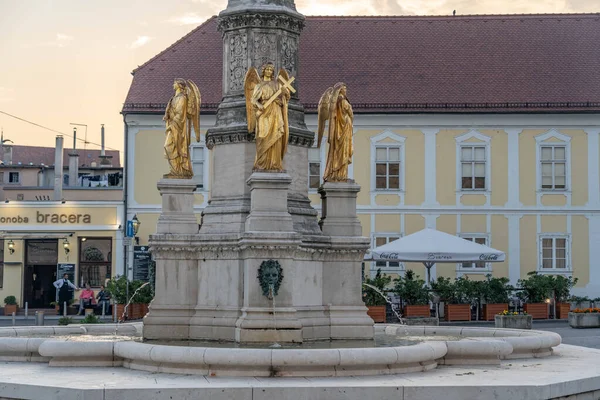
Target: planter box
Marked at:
9, 309
457, 312
377, 313
416, 311
120, 308
584, 320
490, 310
513, 321
562, 310
537, 310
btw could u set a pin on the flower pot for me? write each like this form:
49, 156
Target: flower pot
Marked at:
120, 308
584, 320
377, 313
537, 310
513, 321
457, 312
562, 310
10, 308
416, 311
490, 310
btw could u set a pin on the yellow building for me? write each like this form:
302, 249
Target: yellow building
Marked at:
46, 228
469, 125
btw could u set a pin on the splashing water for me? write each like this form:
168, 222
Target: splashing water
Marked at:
127, 305
399, 316
272, 298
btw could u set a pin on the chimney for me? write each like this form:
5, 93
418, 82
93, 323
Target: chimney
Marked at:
74, 139
73, 169
102, 154
104, 159
58, 168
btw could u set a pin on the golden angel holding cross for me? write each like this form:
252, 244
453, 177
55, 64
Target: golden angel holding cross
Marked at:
267, 113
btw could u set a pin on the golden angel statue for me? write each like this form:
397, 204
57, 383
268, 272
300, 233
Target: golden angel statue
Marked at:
182, 113
335, 107
267, 113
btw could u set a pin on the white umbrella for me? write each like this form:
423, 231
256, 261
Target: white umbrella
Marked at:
430, 246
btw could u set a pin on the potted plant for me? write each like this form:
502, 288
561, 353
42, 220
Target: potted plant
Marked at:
456, 305
537, 288
513, 320
374, 296
561, 287
585, 318
10, 305
414, 294
117, 287
495, 293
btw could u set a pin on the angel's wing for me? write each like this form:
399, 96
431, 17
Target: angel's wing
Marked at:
193, 108
252, 78
335, 95
323, 114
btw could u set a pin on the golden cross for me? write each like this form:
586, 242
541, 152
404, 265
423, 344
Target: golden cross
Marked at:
287, 84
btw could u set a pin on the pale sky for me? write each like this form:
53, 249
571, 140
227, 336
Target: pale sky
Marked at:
70, 61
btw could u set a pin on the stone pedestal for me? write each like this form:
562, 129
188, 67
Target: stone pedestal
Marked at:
176, 264
177, 216
342, 265
269, 203
338, 212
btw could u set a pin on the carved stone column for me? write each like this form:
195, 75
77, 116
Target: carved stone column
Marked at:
255, 32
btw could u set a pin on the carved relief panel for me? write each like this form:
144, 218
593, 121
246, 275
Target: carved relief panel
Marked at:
237, 60
264, 48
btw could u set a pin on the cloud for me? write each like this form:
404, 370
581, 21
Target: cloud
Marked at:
188, 19
60, 40
140, 41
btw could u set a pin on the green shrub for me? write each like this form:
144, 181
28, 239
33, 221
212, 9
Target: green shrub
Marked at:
496, 290
411, 289
117, 287
10, 300
536, 288
370, 295
90, 319
65, 320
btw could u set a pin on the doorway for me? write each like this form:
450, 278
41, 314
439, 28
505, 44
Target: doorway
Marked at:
41, 258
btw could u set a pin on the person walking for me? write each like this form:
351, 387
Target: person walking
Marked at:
63, 291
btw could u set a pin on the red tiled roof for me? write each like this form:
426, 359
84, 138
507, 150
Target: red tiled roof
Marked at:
45, 155
486, 63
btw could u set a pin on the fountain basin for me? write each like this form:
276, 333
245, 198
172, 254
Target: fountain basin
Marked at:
475, 346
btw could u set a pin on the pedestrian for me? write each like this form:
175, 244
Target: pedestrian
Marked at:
63, 291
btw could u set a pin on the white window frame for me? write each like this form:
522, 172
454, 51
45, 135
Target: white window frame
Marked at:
205, 162
321, 163
387, 269
484, 141
568, 267
461, 270
564, 141
377, 142
18, 178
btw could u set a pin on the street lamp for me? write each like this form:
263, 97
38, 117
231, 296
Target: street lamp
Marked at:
136, 224
11, 246
66, 245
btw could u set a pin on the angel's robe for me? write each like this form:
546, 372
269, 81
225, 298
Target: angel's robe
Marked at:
272, 131
339, 156
177, 142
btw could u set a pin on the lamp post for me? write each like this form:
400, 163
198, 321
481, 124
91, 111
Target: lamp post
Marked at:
135, 223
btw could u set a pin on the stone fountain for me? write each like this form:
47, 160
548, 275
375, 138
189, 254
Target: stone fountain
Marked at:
260, 269
207, 276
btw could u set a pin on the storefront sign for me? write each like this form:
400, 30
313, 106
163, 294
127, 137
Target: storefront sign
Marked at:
141, 263
58, 216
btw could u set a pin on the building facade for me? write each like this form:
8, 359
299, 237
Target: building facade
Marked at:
41, 235
466, 139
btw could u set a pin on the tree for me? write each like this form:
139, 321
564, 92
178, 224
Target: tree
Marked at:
376, 297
